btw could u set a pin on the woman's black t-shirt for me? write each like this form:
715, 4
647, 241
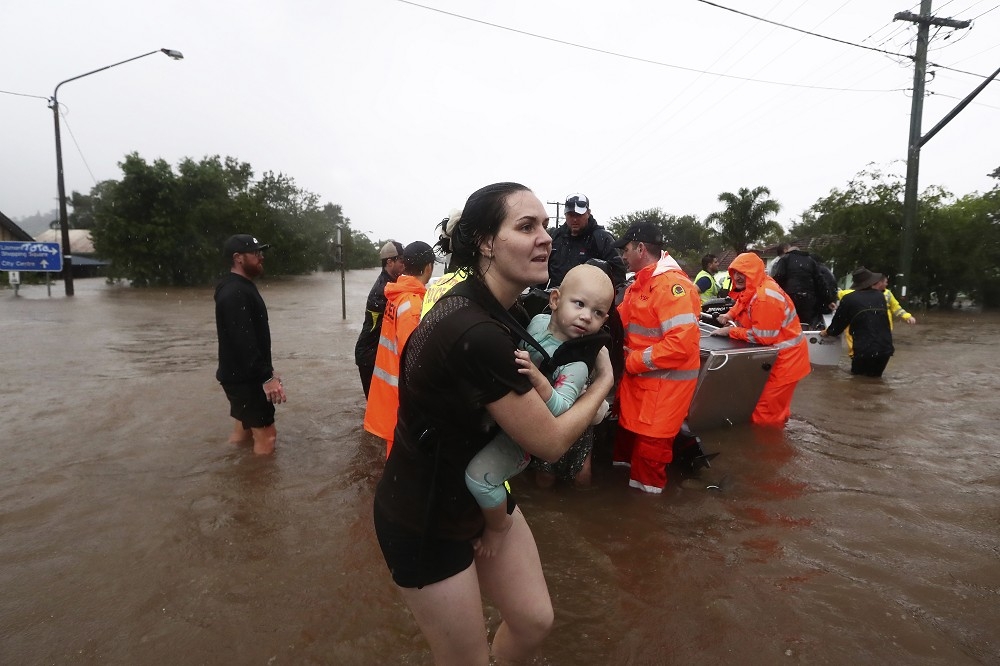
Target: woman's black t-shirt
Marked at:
458, 360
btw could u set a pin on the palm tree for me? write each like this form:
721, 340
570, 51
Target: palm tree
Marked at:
747, 217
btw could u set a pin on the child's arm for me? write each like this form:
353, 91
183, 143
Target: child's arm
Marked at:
567, 384
538, 381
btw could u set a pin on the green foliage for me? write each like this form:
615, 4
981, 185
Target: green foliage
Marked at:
161, 227
687, 239
957, 242
746, 219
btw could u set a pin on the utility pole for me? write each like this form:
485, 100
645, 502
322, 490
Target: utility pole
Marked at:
558, 205
924, 20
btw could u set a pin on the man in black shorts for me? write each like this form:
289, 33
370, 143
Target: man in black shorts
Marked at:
245, 369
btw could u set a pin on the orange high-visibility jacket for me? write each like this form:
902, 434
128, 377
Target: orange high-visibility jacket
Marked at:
765, 315
402, 314
660, 314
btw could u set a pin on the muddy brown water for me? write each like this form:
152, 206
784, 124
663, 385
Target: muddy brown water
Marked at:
132, 533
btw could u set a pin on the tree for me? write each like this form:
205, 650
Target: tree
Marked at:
686, 238
746, 218
957, 242
158, 227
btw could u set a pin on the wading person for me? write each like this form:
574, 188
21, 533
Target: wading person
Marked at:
391, 255
459, 382
765, 315
659, 313
864, 310
405, 297
580, 307
245, 370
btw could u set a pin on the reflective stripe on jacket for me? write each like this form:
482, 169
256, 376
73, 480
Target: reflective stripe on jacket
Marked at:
659, 313
765, 315
402, 314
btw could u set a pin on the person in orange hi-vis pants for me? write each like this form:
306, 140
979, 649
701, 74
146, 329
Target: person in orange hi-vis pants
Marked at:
765, 315
404, 299
659, 313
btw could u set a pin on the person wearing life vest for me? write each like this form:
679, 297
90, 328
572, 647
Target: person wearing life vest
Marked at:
402, 314
367, 345
705, 280
659, 313
765, 315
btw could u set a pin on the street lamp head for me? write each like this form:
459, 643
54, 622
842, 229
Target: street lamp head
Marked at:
176, 55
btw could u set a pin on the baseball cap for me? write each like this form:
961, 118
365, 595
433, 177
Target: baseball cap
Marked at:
242, 243
417, 255
577, 203
391, 250
641, 232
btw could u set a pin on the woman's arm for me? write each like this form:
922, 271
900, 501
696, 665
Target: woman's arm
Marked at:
527, 420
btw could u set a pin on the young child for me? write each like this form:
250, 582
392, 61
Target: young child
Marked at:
580, 307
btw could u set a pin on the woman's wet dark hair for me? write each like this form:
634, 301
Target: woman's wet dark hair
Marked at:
482, 216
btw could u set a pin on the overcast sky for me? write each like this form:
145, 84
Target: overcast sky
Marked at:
398, 112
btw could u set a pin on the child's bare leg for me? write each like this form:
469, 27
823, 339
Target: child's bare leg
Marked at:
498, 523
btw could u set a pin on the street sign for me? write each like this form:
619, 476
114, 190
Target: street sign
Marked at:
30, 256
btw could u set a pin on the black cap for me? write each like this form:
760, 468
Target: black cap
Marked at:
417, 255
641, 232
242, 243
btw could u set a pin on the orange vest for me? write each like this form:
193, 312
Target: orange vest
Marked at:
660, 314
402, 314
765, 315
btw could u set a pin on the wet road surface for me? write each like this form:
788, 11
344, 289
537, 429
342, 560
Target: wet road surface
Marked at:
132, 533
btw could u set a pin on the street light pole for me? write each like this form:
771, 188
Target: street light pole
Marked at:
63, 217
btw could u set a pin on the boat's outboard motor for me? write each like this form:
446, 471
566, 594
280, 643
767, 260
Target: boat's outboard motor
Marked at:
689, 457
713, 307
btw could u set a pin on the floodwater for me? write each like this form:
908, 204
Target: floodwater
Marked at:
132, 533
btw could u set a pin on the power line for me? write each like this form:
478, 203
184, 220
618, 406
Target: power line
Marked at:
841, 41
17, 94
985, 13
643, 60
75, 143
807, 32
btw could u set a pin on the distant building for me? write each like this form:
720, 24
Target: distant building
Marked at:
11, 232
81, 247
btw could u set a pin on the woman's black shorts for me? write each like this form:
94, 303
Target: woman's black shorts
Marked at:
440, 559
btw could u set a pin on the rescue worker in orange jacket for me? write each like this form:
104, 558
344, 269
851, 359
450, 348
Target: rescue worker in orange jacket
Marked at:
765, 315
659, 313
404, 298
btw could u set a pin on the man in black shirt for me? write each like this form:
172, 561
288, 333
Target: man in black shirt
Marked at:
866, 312
245, 370
581, 239
366, 348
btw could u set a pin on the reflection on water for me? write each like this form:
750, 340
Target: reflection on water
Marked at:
866, 532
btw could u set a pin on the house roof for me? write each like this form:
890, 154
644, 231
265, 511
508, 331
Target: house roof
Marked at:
10, 231
79, 240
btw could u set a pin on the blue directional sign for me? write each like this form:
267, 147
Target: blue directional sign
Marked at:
30, 256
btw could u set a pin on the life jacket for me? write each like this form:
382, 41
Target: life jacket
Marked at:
660, 314
402, 314
712, 291
765, 315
